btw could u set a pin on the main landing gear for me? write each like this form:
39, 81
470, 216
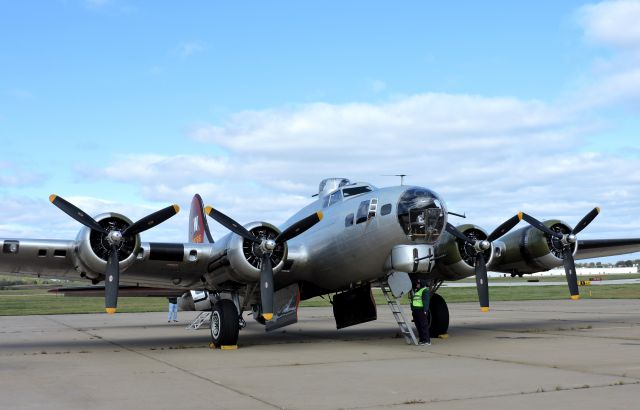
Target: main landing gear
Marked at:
225, 323
438, 316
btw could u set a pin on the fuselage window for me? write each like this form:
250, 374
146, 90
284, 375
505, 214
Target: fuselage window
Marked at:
386, 209
325, 201
348, 221
335, 197
363, 209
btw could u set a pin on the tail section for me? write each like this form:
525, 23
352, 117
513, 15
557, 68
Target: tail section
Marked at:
198, 228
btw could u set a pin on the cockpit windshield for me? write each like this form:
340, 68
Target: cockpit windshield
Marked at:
422, 214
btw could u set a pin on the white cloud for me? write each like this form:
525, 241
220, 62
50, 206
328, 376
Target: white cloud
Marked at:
12, 175
377, 86
615, 78
612, 23
435, 122
489, 157
190, 48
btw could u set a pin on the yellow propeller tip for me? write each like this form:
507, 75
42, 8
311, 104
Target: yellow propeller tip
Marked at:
208, 209
176, 207
575, 297
320, 215
52, 197
110, 311
484, 309
267, 316
520, 215
597, 209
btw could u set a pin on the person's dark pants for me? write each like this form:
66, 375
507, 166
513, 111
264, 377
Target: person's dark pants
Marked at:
422, 324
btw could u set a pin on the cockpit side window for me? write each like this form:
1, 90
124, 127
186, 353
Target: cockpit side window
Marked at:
335, 197
348, 220
363, 210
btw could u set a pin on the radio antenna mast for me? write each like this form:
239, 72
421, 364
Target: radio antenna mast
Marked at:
397, 175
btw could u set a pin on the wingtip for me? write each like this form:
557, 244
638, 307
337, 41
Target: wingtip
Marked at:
110, 311
52, 197
176, 207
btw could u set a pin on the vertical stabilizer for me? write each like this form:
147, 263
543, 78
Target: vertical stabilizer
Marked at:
198, 228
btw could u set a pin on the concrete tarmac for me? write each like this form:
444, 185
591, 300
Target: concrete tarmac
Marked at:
529, 355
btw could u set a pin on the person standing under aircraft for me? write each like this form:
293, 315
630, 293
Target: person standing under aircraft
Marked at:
173, 309
420, 311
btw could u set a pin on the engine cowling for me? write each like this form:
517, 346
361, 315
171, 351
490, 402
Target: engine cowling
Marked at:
529, 250
241, 259
457, 259
93, 248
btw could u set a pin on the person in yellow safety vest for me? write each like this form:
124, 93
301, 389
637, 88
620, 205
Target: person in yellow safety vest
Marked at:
420, 311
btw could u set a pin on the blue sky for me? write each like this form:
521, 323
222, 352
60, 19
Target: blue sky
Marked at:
498, 105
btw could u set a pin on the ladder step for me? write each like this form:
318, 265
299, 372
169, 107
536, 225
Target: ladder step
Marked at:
396, 310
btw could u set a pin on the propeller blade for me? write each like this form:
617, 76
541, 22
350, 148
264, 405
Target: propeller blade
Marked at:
112, 282
455, 232
505, 227
540, 226
230, 224
151, 220
586, 220
266, 287
76, 213
482, 283
570, 272
299, 227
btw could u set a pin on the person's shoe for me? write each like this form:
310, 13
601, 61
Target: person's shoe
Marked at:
175, 320
421, 343
168, 321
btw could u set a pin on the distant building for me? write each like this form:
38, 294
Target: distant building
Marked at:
580, 271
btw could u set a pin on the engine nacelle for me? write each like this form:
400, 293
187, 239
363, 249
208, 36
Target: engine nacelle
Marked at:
529, 250
241, 259
93, 247
458, 259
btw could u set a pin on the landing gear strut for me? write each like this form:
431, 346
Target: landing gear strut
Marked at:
438, 316
225, 323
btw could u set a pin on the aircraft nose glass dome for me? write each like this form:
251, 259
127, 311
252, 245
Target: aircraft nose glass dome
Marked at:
422, 214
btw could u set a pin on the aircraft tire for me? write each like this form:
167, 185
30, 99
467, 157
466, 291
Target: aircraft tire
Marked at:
224, 323
438, 316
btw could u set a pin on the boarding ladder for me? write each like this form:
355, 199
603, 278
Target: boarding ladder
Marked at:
202, 320
401, 319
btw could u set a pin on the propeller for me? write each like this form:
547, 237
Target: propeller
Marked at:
477, 248
266, 249
564, 242
116, 239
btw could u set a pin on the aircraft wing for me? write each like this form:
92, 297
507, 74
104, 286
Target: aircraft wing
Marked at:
128, 291
597, 248
166, 265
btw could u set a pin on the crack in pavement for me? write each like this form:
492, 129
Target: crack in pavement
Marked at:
492, 396
180, 369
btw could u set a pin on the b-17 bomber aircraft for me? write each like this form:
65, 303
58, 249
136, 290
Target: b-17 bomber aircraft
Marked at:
352, 237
